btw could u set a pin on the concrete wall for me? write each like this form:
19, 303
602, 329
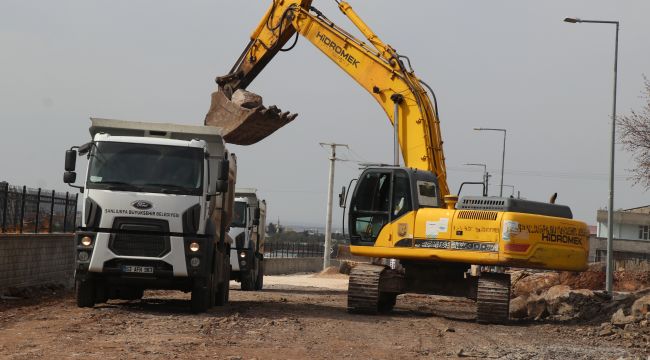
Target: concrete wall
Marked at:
282, 266
36, 259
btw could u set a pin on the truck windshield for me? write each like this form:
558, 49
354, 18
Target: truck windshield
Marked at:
239, 215
145, 167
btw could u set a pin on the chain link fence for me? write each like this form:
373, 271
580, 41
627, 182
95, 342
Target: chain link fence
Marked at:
27, 210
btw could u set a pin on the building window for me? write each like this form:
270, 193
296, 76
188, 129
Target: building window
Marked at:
644, 232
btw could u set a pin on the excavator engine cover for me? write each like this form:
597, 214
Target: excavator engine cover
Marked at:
243, 126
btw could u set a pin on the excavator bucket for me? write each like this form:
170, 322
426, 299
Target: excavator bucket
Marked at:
244, 126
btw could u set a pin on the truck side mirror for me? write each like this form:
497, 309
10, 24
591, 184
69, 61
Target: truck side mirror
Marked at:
85, 148
342, 198
256, 216
69, 177
70, 160
223, 170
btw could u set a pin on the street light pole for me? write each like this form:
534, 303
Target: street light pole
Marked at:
503, 156
513, 189
609, 279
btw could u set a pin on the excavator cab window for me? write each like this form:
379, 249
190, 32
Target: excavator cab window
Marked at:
380, 197
369, 208
401, 195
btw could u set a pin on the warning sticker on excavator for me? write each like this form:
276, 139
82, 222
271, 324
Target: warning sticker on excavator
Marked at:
509, 228
433, 228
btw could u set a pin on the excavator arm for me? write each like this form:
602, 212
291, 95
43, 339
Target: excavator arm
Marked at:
376, 66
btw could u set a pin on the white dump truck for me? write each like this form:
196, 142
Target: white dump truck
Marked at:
248, 230
157, 200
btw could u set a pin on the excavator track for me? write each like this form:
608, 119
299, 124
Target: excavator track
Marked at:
493, 298
363, 289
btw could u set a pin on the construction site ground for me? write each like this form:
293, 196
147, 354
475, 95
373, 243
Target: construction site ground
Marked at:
294, 317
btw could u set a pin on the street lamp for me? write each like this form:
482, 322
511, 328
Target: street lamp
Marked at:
610, 207
503, 158
485, 177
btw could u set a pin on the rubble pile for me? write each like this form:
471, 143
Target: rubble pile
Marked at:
559, 297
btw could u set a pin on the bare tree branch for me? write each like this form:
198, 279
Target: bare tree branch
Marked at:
634, 133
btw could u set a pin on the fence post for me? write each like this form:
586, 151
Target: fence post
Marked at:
22, 209
38, 210
52, 210
5, 201
65, 212
74, 219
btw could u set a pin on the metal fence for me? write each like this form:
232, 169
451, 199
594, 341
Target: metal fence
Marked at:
293, 249
27, 210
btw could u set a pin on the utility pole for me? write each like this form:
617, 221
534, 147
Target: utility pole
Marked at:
330, 190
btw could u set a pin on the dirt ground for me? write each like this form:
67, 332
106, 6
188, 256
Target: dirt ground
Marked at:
294, 317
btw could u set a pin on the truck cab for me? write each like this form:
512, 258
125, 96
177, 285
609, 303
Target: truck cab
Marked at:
156, 202
247, 229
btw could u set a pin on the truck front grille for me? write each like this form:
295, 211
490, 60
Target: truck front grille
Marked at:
140, 237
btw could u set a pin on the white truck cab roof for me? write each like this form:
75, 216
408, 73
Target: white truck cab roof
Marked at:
158, 134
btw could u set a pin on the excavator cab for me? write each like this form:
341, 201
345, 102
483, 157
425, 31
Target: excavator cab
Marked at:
386, 197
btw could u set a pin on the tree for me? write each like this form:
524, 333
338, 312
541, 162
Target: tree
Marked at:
634, 133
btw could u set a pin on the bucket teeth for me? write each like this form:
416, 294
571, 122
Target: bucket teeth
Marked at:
242, 126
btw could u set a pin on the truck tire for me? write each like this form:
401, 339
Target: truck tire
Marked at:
247, 281
259, 282
223, 289
202, 292
85, 293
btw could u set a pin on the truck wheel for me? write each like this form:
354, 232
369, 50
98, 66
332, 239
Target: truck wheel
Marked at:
223, 289
85, 293
259, 282
201, 294
247, 283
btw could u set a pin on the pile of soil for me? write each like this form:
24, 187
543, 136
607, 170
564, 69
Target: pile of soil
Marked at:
330, 272
594, 279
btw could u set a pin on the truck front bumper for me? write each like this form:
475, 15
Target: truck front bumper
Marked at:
180, 261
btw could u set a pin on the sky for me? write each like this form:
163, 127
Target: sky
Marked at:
500, 64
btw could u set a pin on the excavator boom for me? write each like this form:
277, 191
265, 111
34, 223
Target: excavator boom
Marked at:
377, 67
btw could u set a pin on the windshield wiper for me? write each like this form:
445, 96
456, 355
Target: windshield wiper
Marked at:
171, 188
119, 185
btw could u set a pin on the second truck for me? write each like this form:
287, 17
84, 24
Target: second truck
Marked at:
247, 231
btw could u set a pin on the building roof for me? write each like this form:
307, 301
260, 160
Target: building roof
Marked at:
639, 210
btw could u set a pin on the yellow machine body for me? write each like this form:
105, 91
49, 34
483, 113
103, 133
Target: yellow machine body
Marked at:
483, 238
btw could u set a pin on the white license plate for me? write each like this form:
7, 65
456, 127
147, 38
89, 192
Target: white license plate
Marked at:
138, 269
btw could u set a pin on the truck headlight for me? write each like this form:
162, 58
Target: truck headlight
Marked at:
83, 256
86, 241
194, 247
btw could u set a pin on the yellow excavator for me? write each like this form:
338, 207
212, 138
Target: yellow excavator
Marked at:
443, 245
